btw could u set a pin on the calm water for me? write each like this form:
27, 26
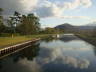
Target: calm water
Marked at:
66, 54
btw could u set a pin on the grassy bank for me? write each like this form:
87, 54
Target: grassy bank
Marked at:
91, 40
7, 41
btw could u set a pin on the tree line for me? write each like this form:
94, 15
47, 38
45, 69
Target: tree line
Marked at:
23, 24
18, 23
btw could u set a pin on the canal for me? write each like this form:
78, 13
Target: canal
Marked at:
67, 53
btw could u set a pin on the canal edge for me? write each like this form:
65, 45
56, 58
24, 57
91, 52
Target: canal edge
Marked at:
14, 48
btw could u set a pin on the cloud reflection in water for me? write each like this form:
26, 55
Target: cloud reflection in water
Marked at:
54, 53
56, 56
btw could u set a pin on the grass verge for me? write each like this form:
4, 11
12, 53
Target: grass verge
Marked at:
7, 41
91, 40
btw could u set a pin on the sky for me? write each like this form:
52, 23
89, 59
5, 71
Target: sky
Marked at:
54, 12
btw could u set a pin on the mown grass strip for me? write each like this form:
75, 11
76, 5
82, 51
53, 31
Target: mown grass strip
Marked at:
7, 41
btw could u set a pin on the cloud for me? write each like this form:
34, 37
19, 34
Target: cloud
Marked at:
76, 17
29, 4
22, 6
56, 9
42, 8
93, 20
77, 3
48, 9
86, 3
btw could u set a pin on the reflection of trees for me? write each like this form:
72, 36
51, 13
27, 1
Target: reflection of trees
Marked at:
68, 38
0, 65
28, 53
65, 38
94, 49
49, 39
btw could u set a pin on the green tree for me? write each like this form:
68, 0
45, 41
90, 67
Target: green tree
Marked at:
1, 10
22, 28
1, 17
30, 24
49, 30
13, 21
1, 21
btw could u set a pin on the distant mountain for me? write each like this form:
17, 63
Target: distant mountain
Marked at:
86, 27
91, 24
67, 26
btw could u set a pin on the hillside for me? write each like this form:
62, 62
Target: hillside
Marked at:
67, 26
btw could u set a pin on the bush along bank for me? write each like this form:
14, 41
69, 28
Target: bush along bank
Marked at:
90, 40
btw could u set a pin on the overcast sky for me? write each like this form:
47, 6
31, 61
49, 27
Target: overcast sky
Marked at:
54, 12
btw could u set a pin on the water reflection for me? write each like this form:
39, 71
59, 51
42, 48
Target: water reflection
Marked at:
28, 53
0, 65
68, 38
49, 39
76, 55
15, 62
55, 56
94, 49
67, 54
